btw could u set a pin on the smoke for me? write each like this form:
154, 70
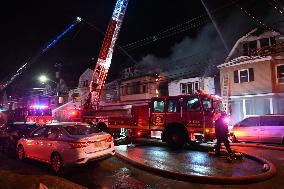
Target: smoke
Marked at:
200, 55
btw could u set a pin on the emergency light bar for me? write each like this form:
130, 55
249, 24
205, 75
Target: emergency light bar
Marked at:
39, 106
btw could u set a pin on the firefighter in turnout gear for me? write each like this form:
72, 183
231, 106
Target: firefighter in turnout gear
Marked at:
222, 131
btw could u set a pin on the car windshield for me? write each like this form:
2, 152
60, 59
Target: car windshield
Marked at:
39, 112
81, 129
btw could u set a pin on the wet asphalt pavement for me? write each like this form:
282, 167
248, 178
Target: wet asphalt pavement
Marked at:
115, 173
190, 162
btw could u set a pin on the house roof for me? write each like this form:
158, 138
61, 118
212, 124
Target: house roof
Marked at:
244, 60
256, 32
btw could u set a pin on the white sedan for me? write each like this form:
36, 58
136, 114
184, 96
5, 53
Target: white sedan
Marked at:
63, 144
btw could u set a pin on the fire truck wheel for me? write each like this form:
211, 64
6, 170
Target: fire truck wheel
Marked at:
175, 138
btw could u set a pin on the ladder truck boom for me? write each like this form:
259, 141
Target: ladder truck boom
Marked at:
8, 81
105, 55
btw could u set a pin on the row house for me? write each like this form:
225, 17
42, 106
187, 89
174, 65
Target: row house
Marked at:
252, 77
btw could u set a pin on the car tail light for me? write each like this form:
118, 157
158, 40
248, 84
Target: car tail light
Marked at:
74, 145
109, 139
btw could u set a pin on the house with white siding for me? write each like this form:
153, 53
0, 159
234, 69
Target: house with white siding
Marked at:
254, 75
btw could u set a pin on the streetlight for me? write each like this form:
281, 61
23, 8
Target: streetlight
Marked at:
43, 79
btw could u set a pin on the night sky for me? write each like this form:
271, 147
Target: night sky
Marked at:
27, 26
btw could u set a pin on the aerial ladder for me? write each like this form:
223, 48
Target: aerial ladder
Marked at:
105, 56
4, 84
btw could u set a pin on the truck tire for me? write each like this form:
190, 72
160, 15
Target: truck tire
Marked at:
175, 137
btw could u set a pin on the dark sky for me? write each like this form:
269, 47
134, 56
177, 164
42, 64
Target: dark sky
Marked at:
27, 26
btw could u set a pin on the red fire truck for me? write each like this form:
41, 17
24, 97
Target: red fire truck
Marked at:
174, 119
40, 114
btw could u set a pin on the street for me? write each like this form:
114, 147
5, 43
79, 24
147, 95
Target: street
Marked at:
116, 173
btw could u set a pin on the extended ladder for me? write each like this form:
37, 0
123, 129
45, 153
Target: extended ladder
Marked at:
225, 92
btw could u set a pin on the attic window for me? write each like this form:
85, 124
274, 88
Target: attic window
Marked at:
252, 45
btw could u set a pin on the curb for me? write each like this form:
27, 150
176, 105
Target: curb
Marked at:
279, 148
208, 179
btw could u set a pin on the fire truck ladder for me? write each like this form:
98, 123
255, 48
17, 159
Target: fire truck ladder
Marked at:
105, 55
8, 81
226, 92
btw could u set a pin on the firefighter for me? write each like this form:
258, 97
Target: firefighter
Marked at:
222, 131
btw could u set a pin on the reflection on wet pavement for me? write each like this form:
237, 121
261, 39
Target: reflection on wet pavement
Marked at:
190, 162
124, 180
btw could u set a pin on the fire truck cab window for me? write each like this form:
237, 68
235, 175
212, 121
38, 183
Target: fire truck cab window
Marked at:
173, 106
159, 106
193, 104
207, 104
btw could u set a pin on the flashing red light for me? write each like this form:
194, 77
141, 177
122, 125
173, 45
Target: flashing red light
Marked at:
139, 133
73, 113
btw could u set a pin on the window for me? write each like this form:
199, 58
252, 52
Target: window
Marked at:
207, 104
196, 86
81, 129
272, 41
144, 88
249, 107
193, 104
250, 122
41, 132
271, 121
252, 45
264, 42
173, 106
280, 73
135, 88
189, 88
54, 133
159, 106
183, 88
245, 49
245, 75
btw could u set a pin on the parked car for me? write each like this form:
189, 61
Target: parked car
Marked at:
10, 133
265, 128
65, 144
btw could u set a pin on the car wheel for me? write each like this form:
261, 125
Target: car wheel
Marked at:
56, 163
21, 153
175, 138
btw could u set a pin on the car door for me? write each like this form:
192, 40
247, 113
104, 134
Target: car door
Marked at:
271, 130
193, 114
173, 111
157, 114
248, 130
51, 143
34, 142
